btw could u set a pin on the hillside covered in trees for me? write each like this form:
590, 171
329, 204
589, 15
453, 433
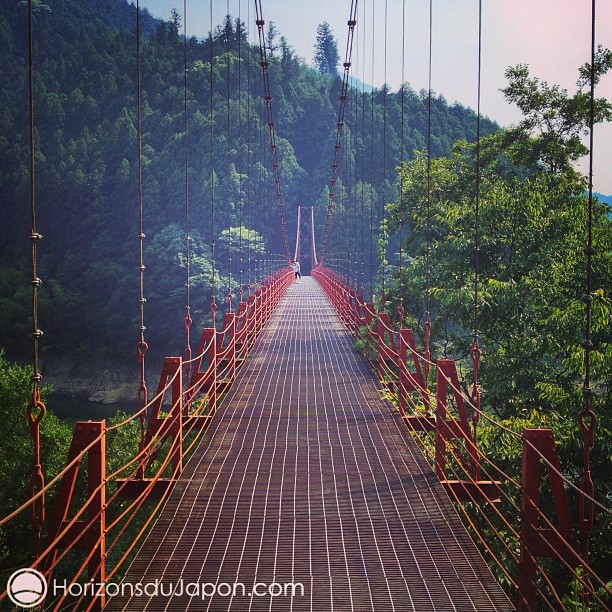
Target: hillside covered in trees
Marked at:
85, 96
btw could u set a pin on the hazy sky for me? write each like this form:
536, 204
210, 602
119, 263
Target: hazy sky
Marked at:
551, 36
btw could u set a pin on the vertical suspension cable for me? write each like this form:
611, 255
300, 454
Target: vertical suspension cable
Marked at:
352, 22
296, 255
475, 352
240, 166
313, 246
383, 195
587, 417
363, 137
273, 146
427, 324
36, 409
400, 309
213, 303
355, 124
229, 164
372, 159
249, 157
142, 344
259, 185
187, 320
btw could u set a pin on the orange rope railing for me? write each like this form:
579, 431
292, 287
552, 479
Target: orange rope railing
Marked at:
499, 508
102, 525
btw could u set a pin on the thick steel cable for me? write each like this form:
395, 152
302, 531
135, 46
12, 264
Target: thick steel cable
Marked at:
355, 127
586, 416
475, 352
427, 323
363, 131
229, 166
273, 146
249, 160
372, 156
187, 320
383, 195
352, 22
313, 246
400, 309
297, 234
476, 247
36, 409
142, 345
240, 166
213, 303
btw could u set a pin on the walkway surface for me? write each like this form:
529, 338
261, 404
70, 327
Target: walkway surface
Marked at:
305, 476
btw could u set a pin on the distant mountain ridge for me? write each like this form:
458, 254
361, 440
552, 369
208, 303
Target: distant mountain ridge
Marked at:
604, 198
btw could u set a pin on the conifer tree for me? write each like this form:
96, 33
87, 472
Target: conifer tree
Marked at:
326, 55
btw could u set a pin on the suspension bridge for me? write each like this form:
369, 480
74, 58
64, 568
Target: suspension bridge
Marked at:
281, 469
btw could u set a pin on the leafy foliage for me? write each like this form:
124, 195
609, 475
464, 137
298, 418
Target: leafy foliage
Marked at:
16, 456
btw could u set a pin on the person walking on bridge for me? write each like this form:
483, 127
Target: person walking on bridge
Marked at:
296, 269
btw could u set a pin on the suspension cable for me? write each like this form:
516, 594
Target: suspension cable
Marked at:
363, 131
352, 22
383, 195
475, 352
313, 246
229, 163
36, 409
297, 234
142, 346
427, 324
400, 309
213, 303
188, 320
372, 157
268, 98
355, 125
249, 164
240, 167
587, 417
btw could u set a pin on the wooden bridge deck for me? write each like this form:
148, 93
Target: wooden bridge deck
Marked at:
305, 476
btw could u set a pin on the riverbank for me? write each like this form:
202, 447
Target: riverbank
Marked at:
98, 382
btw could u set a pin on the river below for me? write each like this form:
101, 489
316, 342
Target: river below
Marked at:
72, 409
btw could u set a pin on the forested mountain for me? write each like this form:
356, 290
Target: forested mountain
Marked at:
87, 165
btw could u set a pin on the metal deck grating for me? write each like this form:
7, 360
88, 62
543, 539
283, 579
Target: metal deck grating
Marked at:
306, 476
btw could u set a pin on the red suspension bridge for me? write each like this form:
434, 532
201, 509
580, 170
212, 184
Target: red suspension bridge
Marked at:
280, 469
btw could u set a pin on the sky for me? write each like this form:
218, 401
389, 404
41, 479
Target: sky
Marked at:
391, 44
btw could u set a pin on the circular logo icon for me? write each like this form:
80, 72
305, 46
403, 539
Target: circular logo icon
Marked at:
27, 588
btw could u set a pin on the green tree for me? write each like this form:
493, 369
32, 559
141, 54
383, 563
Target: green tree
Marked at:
16, 453
326, 55
553, 121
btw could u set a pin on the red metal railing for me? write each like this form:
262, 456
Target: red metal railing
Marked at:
505, 517
96, 535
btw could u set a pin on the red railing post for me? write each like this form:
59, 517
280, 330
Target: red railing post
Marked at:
411, 381
96, 489
211, 335
86, 534
539, 541
229, 324
258, 312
